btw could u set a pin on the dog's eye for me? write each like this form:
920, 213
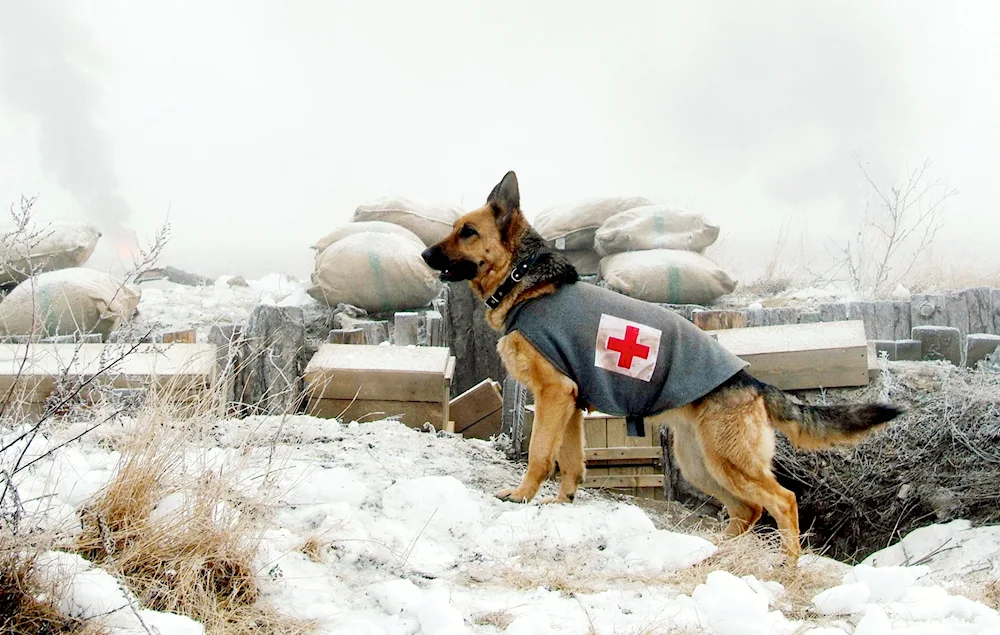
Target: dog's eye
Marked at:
467, 232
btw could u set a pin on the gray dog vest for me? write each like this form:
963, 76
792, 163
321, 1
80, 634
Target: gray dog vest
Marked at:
629, 358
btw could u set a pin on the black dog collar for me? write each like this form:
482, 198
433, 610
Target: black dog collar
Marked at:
516, 275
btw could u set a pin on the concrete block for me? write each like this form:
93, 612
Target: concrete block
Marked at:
928, 309
809, 317
892, 320
885, 346
833, 312
979, 346
939, 343
908, 351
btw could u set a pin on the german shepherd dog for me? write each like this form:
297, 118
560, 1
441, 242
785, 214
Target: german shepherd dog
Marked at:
723, 441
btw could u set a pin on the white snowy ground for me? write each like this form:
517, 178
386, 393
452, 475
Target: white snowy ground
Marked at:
413, 542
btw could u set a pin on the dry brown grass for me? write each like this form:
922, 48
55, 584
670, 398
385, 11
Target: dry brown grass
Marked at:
26, 605
497, 619
313, 548
757, 553
196, 560
944, 451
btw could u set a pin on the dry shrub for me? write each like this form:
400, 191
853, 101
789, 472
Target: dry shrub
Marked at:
939, 462
25, 605
195, 560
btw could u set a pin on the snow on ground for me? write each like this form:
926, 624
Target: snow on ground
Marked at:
408, 539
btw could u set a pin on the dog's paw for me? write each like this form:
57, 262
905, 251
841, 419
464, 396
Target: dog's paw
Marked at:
555, 499
512, 495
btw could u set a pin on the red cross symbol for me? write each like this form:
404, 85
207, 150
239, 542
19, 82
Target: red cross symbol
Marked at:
628, 348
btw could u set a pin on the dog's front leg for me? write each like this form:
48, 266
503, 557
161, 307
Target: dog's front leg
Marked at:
555, 406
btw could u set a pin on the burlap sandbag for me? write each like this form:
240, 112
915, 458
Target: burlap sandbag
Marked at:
430, 222
373, 226
654, 227
573, 226
68, 301
377, 272
585, 261
58, 245
666, 276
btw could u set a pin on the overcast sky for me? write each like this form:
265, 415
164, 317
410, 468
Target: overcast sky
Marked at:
261, 125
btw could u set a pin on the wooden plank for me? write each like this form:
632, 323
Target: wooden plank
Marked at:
407, 328
32, 370
595, 432
382, 373
622, 481
488, 426
800, 356
411, 413
648, 454
433, 331
714, 320
475, 404
346, 336
187, 336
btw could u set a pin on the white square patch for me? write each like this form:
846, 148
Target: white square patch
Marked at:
627, 348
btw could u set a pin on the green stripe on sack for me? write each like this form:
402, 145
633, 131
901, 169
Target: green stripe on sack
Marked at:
659, 226
675, 288
380, 284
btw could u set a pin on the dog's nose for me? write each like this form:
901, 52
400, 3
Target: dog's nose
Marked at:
427, 254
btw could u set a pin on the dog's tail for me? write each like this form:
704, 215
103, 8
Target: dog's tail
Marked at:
816, 427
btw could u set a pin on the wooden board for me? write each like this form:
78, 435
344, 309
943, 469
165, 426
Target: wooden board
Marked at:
31, 371
714, 320
189, 336
619, 481
485, 428
630, 465
800, 356
412, 413
379, 373
476, 404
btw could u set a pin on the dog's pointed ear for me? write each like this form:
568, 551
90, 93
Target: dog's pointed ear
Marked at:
505, 199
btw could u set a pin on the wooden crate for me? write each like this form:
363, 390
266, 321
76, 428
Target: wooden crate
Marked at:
616, 461
478, 412
29, 373
802, 356
364, 383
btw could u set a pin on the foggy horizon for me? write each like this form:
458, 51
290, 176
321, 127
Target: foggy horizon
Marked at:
261, 127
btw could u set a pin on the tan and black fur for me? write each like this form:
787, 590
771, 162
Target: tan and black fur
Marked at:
723, 442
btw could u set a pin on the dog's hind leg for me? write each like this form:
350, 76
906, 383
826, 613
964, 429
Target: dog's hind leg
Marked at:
570, 459
689, 455
738, 444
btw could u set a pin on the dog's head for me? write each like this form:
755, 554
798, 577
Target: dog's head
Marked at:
483, 241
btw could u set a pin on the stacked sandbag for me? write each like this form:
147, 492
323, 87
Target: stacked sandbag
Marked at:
67, 302
571, 227
655, 253
654, 227
429, 222
666, 276
59, 245
360, 227
378, 272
